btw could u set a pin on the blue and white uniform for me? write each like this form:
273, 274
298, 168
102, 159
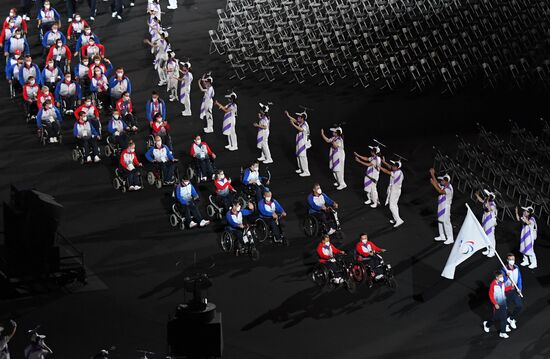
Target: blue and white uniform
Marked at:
251, 177
206, 109
317, 202
162, 154
370, 182
267, 209
50, 115
116, 126
185, 194
236, 219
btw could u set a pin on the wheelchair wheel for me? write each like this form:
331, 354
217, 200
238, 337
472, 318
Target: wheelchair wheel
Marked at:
158, 184
174, 220
261, 230
359, 272
182, 225
227, 242
151, 178
350, 285
123, 188
116, 183
211, 211
390, 279
190, 172
60, 139
311, 226
108, 151
75, 154
254, 253
320, 275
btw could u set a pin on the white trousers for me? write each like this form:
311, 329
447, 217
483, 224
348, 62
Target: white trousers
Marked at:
491, 250
232, 138
187, 101
303, 164
173, 3
372, 193
445, 226
266, 153
209, 120
339, 177
161, 71
394, 208
172, 87
530, 259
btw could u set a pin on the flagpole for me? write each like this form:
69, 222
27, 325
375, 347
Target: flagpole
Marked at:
499, 259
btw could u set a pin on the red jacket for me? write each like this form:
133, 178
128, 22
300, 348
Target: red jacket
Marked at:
208, 150
158, 126
83, 107
70, 29
130, 157
324, 253
122, 109
84, 50
363, 248
67, 51
223, 186
42, 98
26, 97
22, 27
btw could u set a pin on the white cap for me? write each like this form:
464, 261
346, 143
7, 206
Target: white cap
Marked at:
528, 209
489, 193
209, 78
302, 114
376, 148
334, 129
186, 64
445, 177
264, 108
232, 94
396, 163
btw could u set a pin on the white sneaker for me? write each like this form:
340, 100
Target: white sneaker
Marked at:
171, 99
192, 224
70, 19
203, 179
113, 14
171, 8
368, 201
392, 221
228, 146
398, 223
491, 254
132, 4
92, 18
119, 17
51, 140
331, 232
512, 323
485, 252
524, 263
55, 140
339, 188
233, 148
204, 222
449, 241
508, 330
97, 159
298, 171
378, 277
532, 266
186, 113
266, 162
485, 327
335, 184
504, 335
208, 130
439, 239
304, 174
89, 159
261, 159
161, 83
374, 205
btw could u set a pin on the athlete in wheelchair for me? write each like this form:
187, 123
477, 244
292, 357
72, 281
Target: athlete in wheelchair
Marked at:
237, 236
268, 224
255, 184
223, 199
202, 160
164, 165
333, 269
118, 135
86, 139
48, 123
185, 210
128, 171
322, 217
67, 94
369, 266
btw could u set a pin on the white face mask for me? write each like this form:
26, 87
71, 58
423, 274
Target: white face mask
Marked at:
268, 199
96, 62
119, 74
47, 7
237, 208
501, 279
254, 168
131, 150
186, 183
12, 14
511, 262
17, 36
54, 30
198, 142
87, 32
158, 143
31, 82
327, 243
85, 63
364, 240
319, 191
221, 176
88, 104
116, 117
77, 19
28, 63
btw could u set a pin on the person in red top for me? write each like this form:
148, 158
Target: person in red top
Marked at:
31, 92
126, 110
326, 252
202, 154
160, 128
76, 26
367, 253
92, 113
129, 164
19, 22
96, 62
92, 49
61, 55
43, 96
224, 190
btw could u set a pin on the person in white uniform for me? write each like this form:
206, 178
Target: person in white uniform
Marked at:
528, 236
37, 349
370, 182
5, 337
442, 186
205, 85
230, 120
337, 156
262, 139
303, 142
172, 68
185, 88
489, 220
394, 189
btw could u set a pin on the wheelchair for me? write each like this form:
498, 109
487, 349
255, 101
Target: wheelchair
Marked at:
314, 227
67, 107
263, 231
215, 209
150, 142
156, 178
120, 182
111, 148
326, 279
177, 217
78, 155
44, 137
228, 242
194, 171
362, 272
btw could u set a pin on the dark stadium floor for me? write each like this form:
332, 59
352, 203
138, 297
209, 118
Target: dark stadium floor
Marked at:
270, 308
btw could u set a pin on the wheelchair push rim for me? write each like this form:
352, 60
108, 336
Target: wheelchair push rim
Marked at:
310, 226
226, 242
174, 220
151, 178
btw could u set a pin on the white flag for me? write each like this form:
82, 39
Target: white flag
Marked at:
471, 238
